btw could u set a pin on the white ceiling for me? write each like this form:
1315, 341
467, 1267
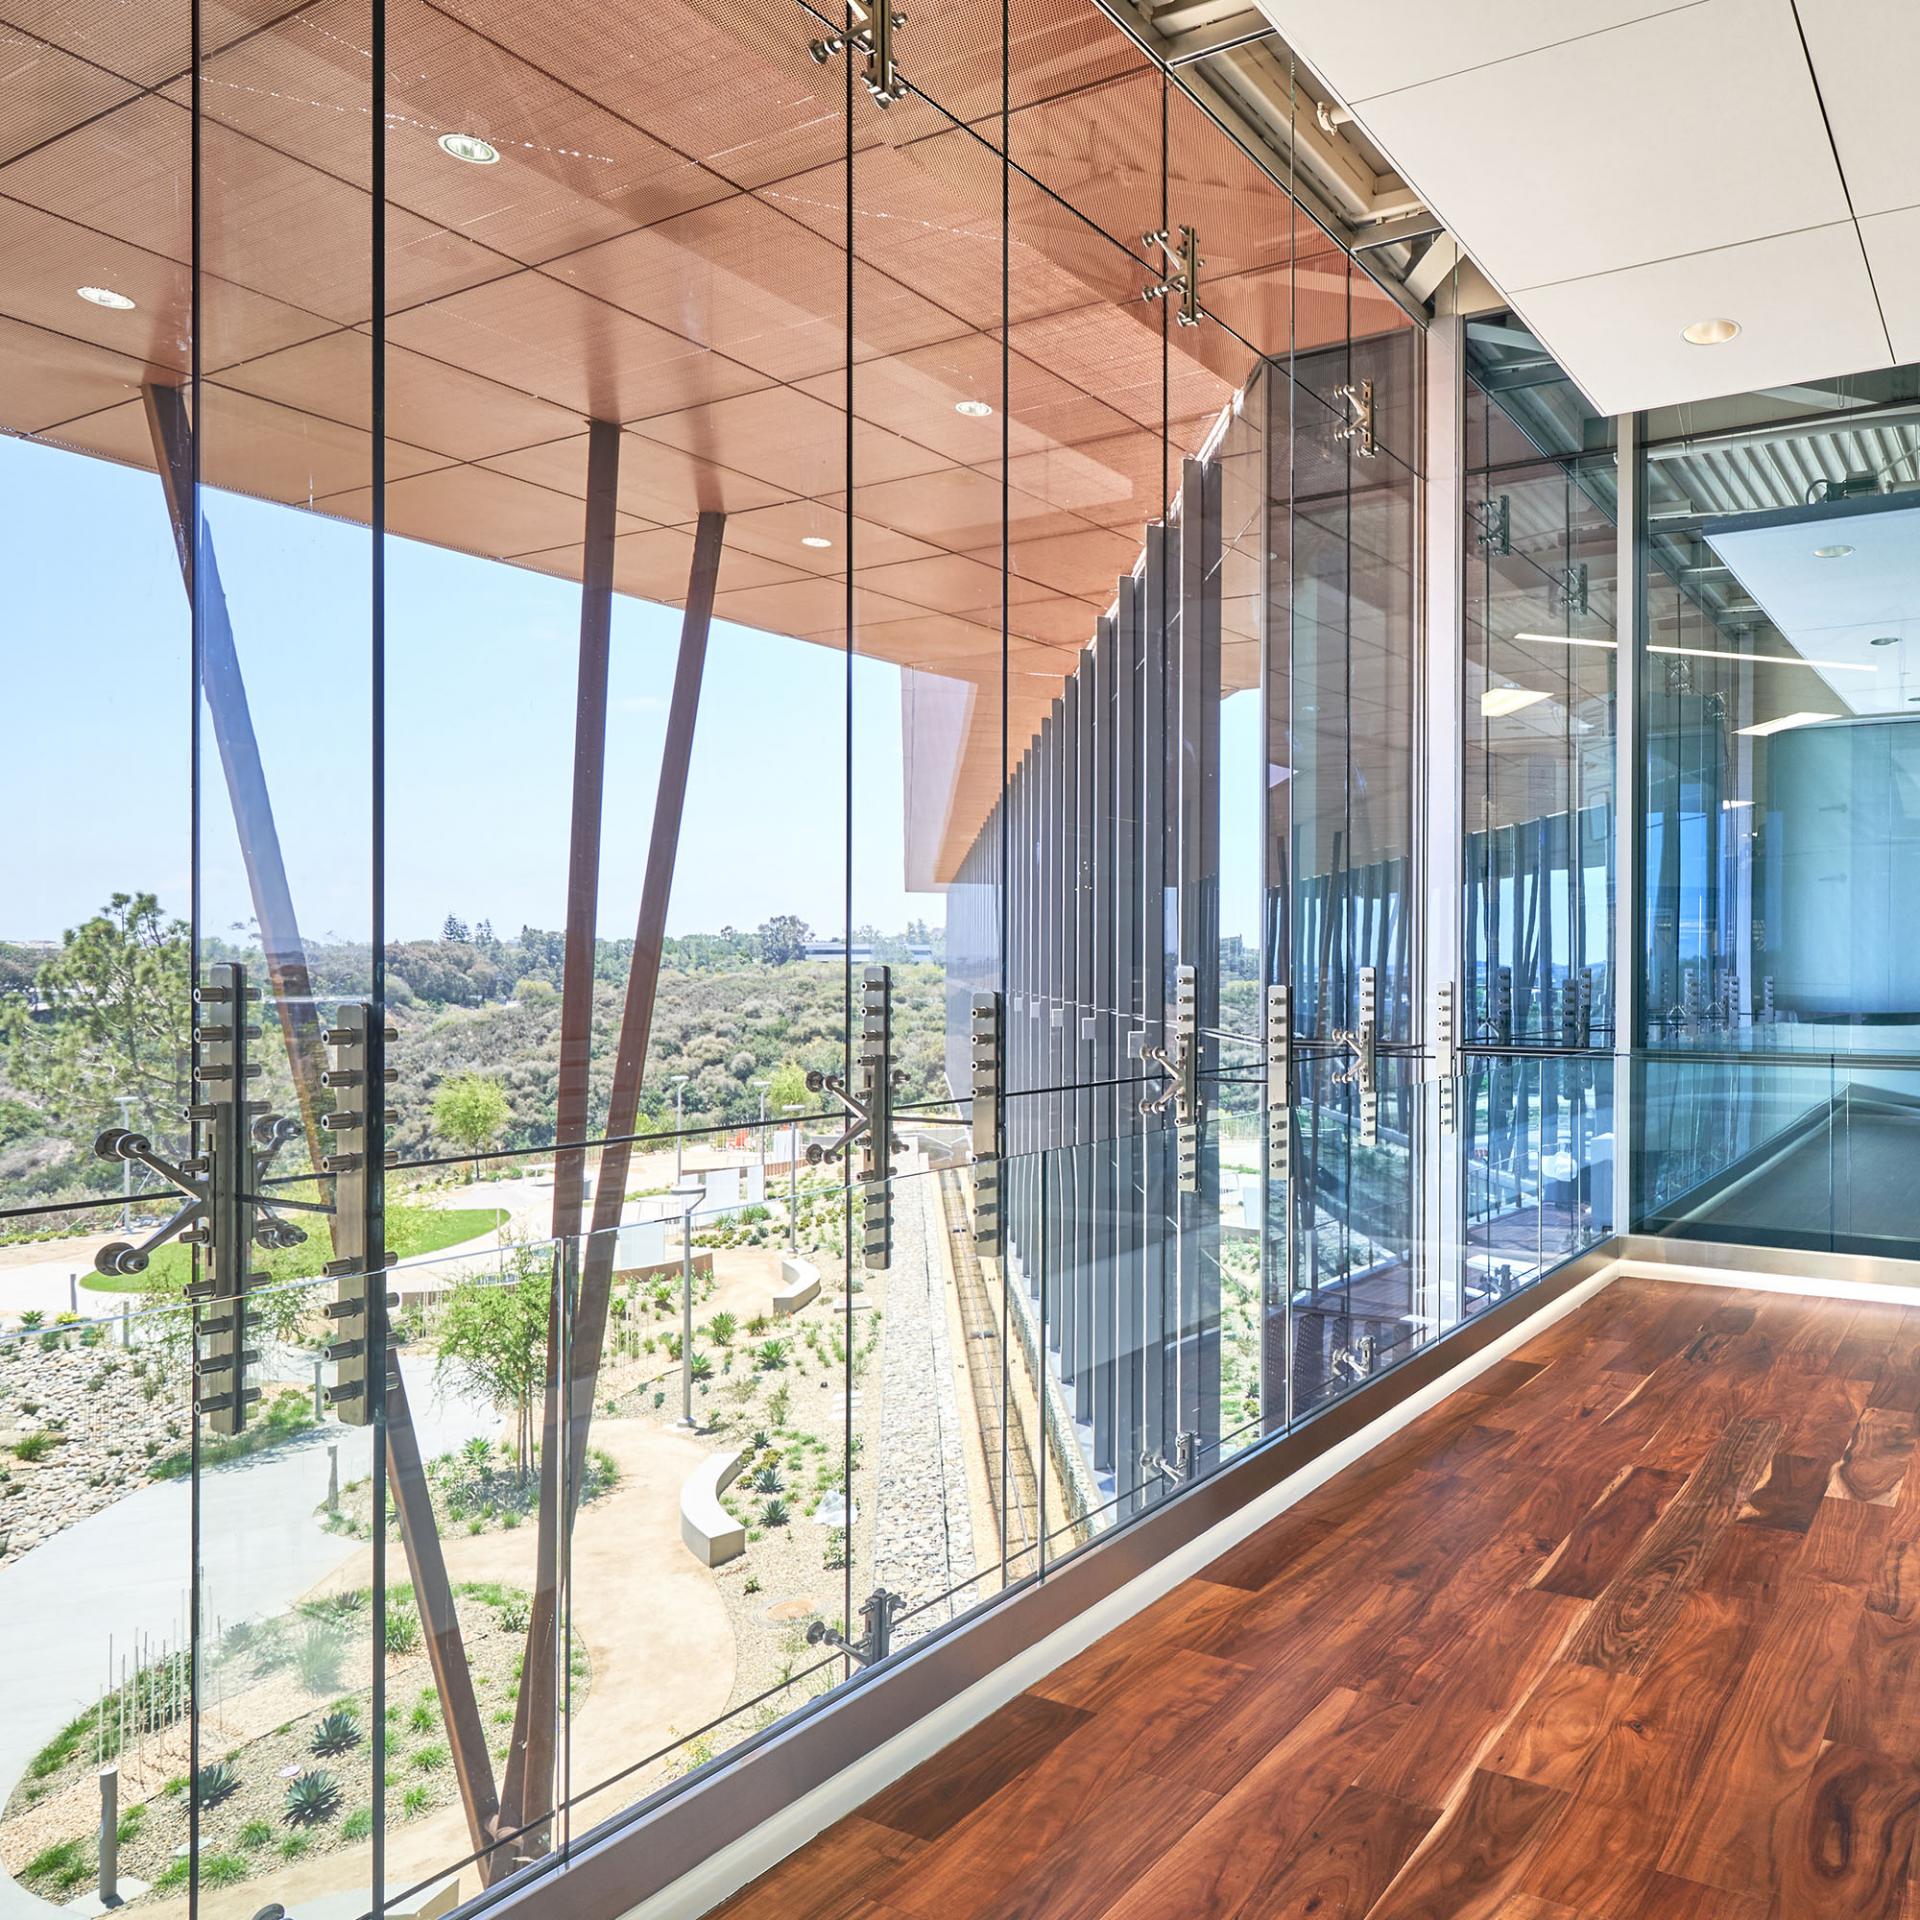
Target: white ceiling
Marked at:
1834, 609
1620, 169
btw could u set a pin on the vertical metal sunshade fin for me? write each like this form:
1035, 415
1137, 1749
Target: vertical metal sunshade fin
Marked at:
221, 1074
986, 1124
869, 1109
358, 1078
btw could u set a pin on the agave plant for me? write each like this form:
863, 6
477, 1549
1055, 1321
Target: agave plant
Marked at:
312, 1798
216, 1782
336, 1732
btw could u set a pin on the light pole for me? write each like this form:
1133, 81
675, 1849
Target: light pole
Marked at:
679, 1122
793, 1176
689, 1193
125, 1102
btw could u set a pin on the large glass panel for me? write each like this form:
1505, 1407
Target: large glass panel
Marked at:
1780, 833
96, 965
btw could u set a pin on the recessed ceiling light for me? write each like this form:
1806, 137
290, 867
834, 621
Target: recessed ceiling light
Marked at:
1884, 640
1497, 702
470, 148
1731, 806
1837, 552
815, 540
1710, 333
1762, 728
106, 297
973, 409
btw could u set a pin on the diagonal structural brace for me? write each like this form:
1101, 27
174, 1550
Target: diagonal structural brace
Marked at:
228, 712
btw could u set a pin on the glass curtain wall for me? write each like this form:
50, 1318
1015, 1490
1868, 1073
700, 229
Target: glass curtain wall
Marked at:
1778, 1008
1539, 560
712, 937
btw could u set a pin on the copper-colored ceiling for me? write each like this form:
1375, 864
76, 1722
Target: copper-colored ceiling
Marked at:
665, 241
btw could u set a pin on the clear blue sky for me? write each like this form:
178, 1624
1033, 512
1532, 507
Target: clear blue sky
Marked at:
481, 666
481, 662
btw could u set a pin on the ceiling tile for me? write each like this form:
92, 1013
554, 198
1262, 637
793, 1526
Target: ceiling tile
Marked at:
1401, 43
453, 412
1519, 175
658, 483
475, 510
47, 258
46, 378
788, 439
1804, 300
764, 290
1865, 55
558, 344
1893, 252
46, 91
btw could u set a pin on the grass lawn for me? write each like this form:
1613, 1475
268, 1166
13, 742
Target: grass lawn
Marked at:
411, 1231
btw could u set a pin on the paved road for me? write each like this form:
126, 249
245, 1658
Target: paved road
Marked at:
123, 1572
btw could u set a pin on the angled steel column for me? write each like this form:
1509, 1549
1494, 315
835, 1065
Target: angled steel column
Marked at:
524, 1805
526, 1789
231, 719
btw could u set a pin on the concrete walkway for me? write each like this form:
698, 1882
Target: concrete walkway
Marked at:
123, 1573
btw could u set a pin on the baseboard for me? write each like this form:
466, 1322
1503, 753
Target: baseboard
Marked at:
1828, 1276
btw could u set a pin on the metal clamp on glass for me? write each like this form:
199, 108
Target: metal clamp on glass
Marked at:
879, 1610
871, 1116
869, 32
1183, 276
1180, 1062
1357, 425
1362, 1042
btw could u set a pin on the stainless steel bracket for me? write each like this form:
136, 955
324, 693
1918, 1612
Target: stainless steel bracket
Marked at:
870, 1116
1182, 281
1356, 425
1362, 1042
881, 1608
869, 32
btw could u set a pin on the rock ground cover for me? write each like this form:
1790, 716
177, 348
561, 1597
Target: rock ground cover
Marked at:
280, 1691
83, 1420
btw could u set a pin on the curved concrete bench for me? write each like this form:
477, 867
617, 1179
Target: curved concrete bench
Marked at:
799, 1283
712, 1534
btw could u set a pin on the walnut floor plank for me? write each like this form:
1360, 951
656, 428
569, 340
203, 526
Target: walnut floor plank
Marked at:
1628, 1630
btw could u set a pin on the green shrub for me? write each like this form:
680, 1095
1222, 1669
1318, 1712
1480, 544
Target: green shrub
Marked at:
775, 1513
66, 1865
310, 1799
35, 1446
403, 1625
335, 1732
318, 1658
357, 1825
294, 1845
721, 1329
215, 1783
224, 1870
256, 1833
423, 1718
415, 1801
430, 1759
771, 1354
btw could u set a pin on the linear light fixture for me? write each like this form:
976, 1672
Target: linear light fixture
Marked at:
1712, 653
1497, 702
1761, 728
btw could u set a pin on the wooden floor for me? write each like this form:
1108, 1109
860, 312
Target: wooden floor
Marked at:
1629, 1630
